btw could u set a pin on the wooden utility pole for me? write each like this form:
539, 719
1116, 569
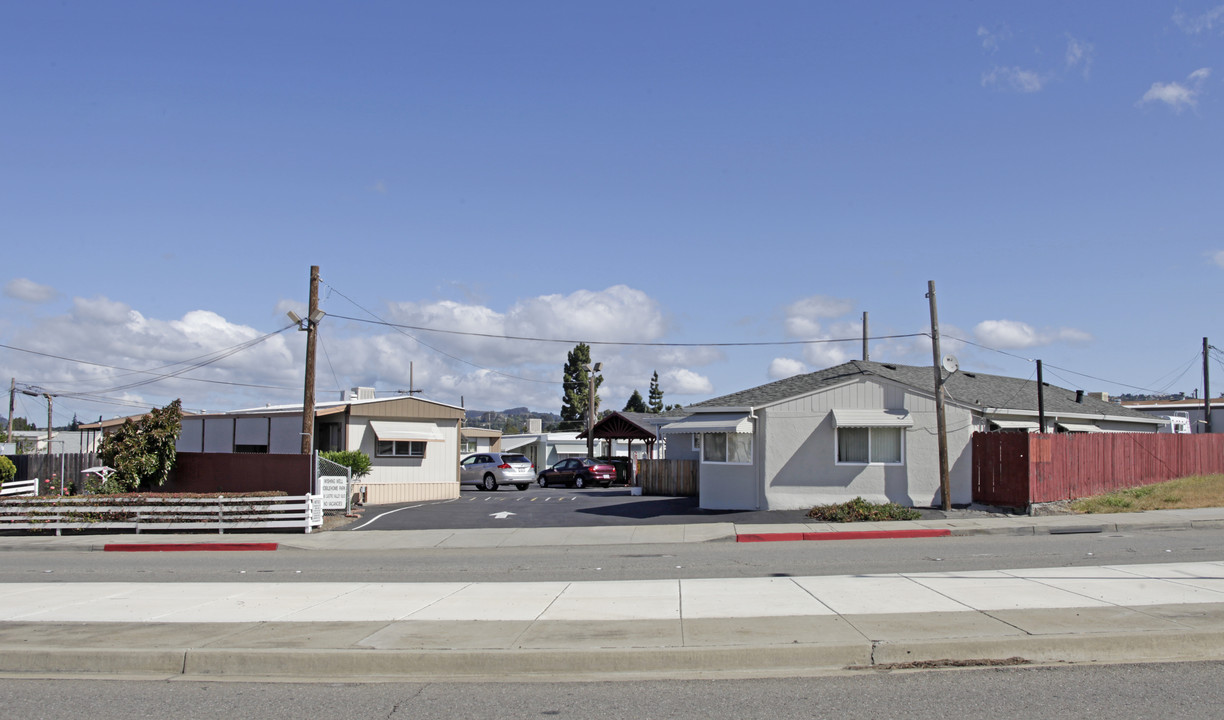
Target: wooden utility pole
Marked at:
48, 396
1041, 426
308, 396
1206, 388
945, 482
12, 404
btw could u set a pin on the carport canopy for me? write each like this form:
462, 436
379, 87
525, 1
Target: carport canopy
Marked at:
619, 427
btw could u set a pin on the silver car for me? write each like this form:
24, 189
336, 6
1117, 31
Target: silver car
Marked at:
490, 469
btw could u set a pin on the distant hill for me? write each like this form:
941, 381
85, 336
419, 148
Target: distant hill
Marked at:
511, 421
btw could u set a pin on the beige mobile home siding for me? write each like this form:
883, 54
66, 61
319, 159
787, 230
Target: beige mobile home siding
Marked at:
440, 464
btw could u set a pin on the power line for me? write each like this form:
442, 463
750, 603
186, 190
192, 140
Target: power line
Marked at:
623, 343
196, 363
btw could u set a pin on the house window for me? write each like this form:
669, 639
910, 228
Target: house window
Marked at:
696, 442
467, 445
862, 446
400, 448
733, 448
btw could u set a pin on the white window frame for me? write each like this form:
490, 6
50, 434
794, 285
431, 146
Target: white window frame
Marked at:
409, 446
751, 449
870, 431
697, 442
467, 446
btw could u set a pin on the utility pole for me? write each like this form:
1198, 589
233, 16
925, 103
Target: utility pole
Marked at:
865, 355
945, 483
48, 396
308, 396
12, 405
591, 409
1206, 388
1041, 426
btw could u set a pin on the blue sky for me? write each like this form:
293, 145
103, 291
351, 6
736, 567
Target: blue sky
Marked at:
673, 172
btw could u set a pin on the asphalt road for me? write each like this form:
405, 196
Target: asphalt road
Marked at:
1189, 691
622, 562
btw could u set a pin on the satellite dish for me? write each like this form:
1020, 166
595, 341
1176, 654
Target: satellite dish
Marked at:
950, 363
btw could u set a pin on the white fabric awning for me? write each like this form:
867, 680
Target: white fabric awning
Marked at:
711, 423
1014, 424
871, 418
421, 432
1079, 427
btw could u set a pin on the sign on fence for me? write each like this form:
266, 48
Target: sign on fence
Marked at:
333, 488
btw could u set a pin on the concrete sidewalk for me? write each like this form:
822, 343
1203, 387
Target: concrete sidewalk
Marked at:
608, 630
640, 534
709, 627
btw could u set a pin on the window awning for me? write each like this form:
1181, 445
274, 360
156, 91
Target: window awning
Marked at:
1078, 427
871, 418
514, 443
711, 423
421, 432
1014, 424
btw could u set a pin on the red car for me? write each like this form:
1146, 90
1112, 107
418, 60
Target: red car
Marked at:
578, 472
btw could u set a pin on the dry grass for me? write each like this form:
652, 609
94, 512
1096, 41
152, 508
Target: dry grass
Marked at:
1190, 492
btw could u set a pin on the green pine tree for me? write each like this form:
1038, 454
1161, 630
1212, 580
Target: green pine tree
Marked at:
576, 379
636, 403
656, 394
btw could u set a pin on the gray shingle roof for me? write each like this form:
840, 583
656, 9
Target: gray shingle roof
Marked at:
964, 388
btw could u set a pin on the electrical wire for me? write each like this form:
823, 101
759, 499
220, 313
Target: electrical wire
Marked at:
625, 343
380, 321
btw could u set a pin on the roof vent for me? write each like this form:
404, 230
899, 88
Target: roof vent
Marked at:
1079, 396
890, 367
969, 374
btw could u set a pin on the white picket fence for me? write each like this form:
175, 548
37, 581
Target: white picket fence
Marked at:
19, 488
303, 512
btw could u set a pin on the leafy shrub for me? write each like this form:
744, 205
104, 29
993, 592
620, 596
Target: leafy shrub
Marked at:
354, 460
7, 470
860, 510
142, 452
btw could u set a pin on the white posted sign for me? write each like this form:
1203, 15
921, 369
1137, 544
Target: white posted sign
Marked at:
333, 489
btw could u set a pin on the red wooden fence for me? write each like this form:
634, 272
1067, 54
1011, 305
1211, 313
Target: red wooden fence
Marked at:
1018, 469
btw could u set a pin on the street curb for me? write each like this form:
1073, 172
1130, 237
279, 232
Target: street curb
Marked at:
188, 547
350, 664
843, 535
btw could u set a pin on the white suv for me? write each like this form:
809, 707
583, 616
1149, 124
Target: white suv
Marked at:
488, 470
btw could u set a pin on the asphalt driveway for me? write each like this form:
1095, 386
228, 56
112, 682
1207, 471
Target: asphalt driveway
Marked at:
554, 507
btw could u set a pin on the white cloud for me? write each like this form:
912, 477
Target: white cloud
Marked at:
1218, 258
29, 291
1013, 334
1079, 55
990, 41
1206, 22
1176, 95
116, 341
1013, 78
781, 368
682, 381
803, 316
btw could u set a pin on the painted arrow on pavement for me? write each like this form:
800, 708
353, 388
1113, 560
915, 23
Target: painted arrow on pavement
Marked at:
501, 515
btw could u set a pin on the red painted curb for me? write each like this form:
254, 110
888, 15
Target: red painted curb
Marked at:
846, 535
186, 547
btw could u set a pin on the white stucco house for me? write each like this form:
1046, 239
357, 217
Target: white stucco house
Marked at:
413, 443
866, 429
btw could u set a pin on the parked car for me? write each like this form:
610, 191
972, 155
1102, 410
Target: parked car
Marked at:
578, 472
623, 467
488, 470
